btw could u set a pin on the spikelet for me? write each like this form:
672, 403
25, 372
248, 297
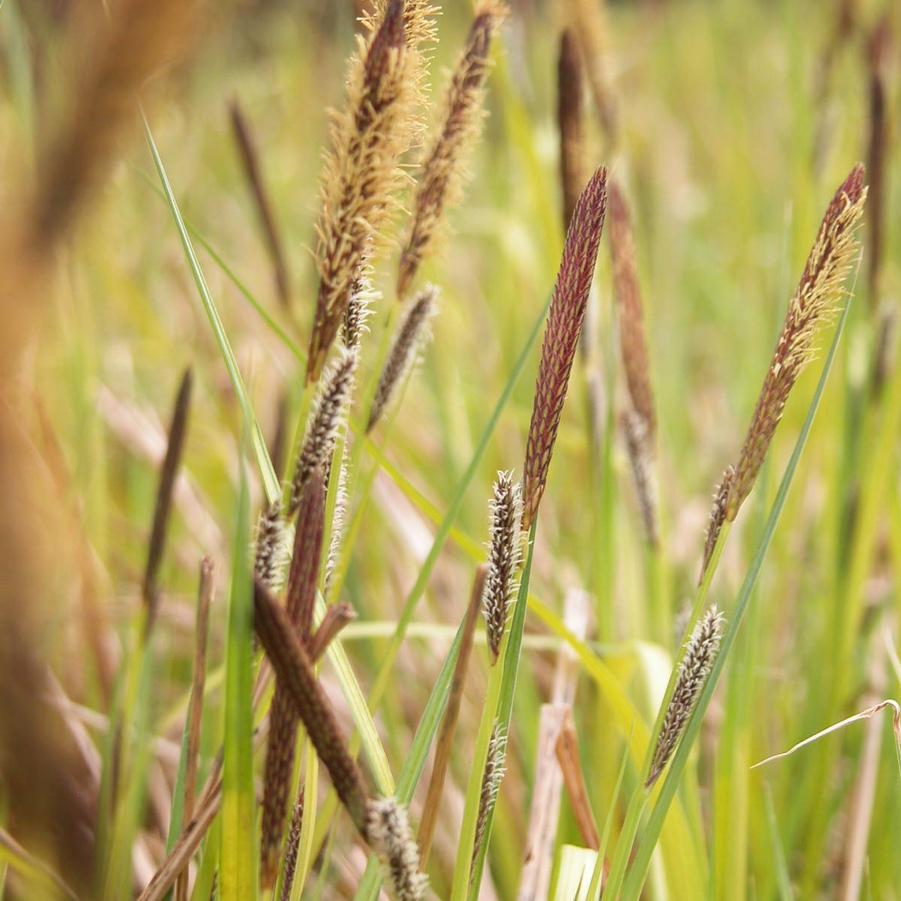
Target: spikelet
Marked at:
570, 94
641, 460
503, 558
561, 337
338, 521
301, 595
491, 784
700, 654
419, 20
361, 173
813, 303
357, 313
294, 671
388, 832
717, 518
269, 543
325, 421
292, 846
440, 184
412, 334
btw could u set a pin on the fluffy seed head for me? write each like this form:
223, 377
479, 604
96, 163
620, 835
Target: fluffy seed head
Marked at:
491, 785
270, 555
561, 337
813, 303
570, 121
700, 654
412, 334
361, 174
388, 832
641, 459
503, 558
357, 313
326, 419
717, 518
440, 182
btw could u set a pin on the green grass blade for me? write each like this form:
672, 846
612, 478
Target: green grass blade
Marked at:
238, 850
267, 472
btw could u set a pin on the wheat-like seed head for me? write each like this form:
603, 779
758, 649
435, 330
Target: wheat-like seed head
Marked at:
388, 832
440, 182
503, 558
561, 337
357, 313
412, 334
700, 654
361, 174
570, 122
325, 421
814, 301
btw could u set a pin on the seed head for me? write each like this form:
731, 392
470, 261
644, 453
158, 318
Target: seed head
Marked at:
641, 459
388, 832
440, 182
362, 172
270, 556
503, 558
717, 518
325, 421
491, 785
700, 654
561, 337
813, 303
412, 334
357, 313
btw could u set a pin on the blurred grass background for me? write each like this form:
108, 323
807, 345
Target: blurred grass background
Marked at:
719, 154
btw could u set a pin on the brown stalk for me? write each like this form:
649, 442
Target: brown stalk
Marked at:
570, 122
440, 183
830, 260
588, 20
445, 738
336, 617
407, 344
561, 337
174, 449
361, 174
280, 748
250, 161
567, 750
195, 704
879, 47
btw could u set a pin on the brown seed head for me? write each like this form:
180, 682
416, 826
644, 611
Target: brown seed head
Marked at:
700, 653
294, 670
813, 303
362, 173
503, 558
561, 337
440, 183
357, 313
388, 832
633, 342
408, 342
570, 121
326, 419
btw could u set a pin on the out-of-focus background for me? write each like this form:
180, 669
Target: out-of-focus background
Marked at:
735, 121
